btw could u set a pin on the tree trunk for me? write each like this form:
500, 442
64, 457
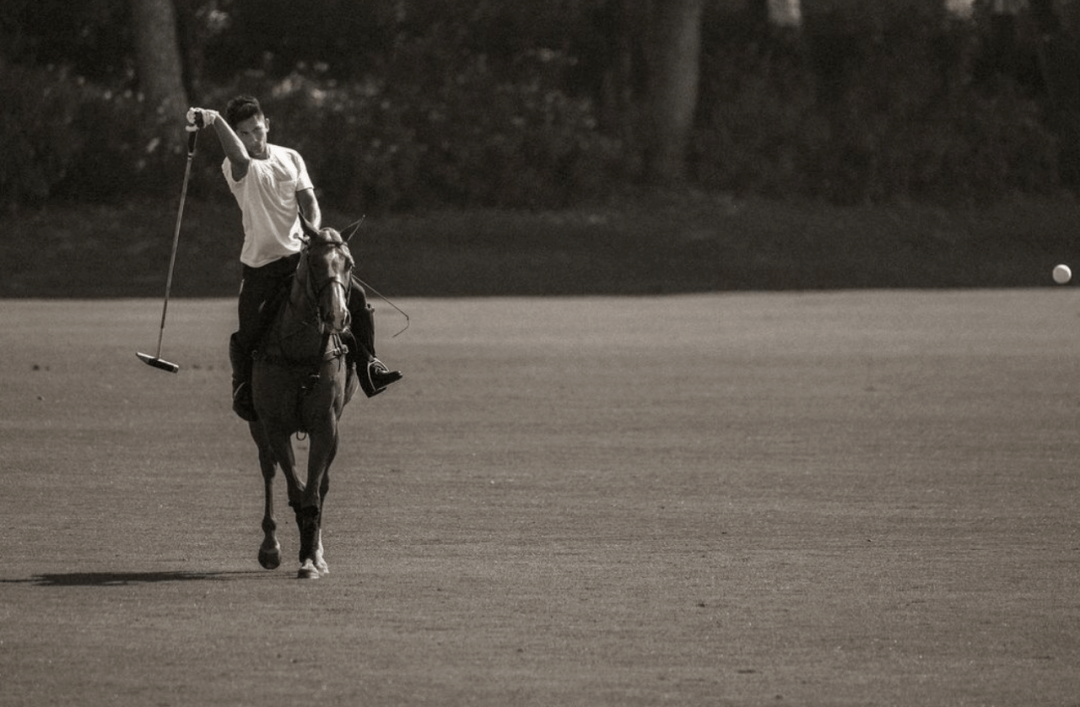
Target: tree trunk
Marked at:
190, 47
674, 33
785, 13
157, 55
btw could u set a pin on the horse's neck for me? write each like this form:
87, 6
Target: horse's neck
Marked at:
296, 327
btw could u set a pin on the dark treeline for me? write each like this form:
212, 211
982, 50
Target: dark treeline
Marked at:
412, 104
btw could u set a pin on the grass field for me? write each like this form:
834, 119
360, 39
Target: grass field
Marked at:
648, 245
857, 498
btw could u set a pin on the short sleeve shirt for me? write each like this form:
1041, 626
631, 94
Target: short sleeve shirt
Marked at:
267, 199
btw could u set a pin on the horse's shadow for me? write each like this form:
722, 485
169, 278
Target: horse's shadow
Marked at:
125, 579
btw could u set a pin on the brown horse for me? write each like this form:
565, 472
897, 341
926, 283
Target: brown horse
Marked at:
300, 385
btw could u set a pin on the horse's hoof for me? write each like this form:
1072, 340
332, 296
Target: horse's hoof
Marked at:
270, 560
308, 571
270, 555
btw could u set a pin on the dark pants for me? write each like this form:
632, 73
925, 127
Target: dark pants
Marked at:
258, 286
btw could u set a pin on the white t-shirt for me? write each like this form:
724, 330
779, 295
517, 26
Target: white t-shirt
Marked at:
267, 199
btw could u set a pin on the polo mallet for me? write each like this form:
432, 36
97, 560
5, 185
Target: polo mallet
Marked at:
156, 361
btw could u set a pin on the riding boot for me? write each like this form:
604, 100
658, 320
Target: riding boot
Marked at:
242, 402
372, 373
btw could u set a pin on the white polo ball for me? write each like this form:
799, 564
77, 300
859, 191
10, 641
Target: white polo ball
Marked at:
1062, 274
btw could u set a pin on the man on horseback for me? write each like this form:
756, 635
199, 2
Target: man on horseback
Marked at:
272, 187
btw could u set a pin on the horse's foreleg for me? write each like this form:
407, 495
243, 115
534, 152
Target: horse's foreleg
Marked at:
309, 515
324, 487
309, 521
270, 549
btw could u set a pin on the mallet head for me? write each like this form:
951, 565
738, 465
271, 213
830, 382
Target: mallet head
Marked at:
158, 363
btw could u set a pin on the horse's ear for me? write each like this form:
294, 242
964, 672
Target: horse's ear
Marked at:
351, 230
309, 230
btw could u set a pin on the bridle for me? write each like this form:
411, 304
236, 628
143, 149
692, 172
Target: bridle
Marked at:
314, 295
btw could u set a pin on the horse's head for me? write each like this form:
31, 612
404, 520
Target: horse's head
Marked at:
328, 268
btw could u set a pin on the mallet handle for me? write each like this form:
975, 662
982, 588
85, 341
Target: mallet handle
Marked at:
192, 139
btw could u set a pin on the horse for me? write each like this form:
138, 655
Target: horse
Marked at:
300, 385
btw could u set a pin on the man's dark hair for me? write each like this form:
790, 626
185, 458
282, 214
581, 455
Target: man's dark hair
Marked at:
241, 108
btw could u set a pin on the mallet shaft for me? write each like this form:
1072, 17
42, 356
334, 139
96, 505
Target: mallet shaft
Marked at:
192, 138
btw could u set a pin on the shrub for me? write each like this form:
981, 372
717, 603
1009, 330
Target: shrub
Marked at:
894, 115
456, 108
459, 137
37, 139
63, 137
